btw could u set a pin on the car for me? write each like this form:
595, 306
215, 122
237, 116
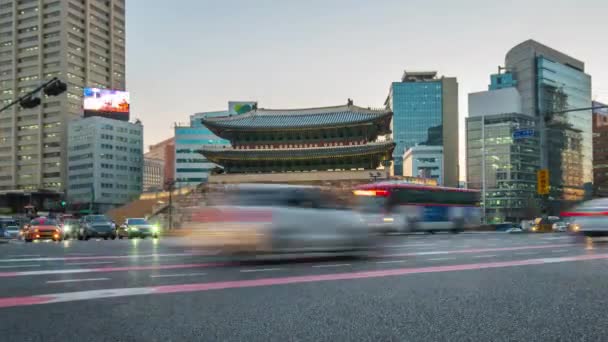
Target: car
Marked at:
137, 227
560, 226
9, 227
70, 227
268, 219
42, 228
589, 219
92, 226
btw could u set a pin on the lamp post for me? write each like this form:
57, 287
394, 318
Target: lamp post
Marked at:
170, 186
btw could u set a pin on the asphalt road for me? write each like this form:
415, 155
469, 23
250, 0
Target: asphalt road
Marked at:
466, 287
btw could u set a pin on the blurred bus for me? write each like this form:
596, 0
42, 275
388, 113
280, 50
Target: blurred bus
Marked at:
402, 207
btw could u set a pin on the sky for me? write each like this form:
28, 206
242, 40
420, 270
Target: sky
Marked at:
188, 56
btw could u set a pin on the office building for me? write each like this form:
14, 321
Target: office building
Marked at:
425, 112
191, 168
551, 84
600, 150
154, 170
424, 162
82, 42
502, 148
105, 163
165, 151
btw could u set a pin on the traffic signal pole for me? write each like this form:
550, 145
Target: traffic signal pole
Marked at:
59, 88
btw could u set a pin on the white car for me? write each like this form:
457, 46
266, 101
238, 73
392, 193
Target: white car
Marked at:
589, 218
271, 219
9, 228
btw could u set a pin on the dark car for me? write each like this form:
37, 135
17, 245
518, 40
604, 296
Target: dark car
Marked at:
92, 226
137, 227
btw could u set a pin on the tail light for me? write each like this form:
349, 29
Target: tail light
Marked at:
582, 213
372, 192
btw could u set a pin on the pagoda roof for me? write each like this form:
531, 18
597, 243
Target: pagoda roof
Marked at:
262, 119
216, 154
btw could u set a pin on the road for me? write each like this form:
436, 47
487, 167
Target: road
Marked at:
466, 287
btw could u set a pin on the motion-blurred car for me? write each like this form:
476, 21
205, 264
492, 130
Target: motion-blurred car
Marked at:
137, 227
507, 227
92, 226
277, 219
589, 218
544, 224
9, 227
42, 228
560, 226
69, 228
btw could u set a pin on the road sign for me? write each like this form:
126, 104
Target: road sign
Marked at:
523, 133
542, 182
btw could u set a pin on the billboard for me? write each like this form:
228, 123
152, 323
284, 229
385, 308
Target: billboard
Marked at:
240, 107
109, 103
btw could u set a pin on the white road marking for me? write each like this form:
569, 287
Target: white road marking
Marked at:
177, 275
260, 270
390, 261
525, 253
88, 263
75, 280
440, 259
412, 245
331, 265
484, 256
19, 266
131, 256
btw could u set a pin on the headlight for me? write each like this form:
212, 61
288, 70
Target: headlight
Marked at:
155, 229
388, 219
534, 228
576, 227
133, 229
67, 228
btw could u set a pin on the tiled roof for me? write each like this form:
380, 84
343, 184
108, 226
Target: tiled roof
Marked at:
310, 117
215, 153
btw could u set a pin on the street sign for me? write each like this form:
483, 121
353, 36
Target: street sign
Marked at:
542, 182
523, 133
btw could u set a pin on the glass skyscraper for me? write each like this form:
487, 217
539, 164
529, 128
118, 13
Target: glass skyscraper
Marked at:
425, 113
550, 82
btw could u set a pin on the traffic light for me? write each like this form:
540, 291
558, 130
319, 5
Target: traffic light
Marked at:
30, 102
55, 88
63, 204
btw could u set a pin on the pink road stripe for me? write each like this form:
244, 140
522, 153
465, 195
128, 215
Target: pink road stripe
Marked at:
477, 250
200, 287
108, 269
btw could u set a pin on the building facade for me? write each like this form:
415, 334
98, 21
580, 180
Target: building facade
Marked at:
165, 151
153, 175
191, 168
339, 138
81, 42
551, 83
424, 162
425, 109
600, 150
105, 163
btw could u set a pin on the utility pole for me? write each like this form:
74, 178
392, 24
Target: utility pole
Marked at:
483, 167
170, 184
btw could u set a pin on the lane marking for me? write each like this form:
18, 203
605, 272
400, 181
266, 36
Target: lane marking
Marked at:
261, 270
8, 302
108, 269
19, 266
177, 275
391, 261
440, 259
75, 280
102, 257
88, 263
331, 265
477, 250
526, 253
412, 245
485, 256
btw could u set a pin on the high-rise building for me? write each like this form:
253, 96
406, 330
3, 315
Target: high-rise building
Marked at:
154, 179
424, 162
425, 109
551, 84
192, 168
600, 150
105, 163
81, 42
165, 151
502, 149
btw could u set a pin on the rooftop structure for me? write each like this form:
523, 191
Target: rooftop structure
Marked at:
311, 139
